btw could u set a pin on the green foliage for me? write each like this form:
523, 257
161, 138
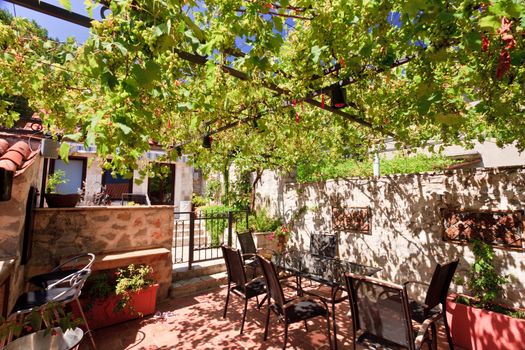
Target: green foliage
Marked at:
55, 179
213, 189
485, 282
198, 201
133, 278
445, 71
216, 222
354, 168
44, 318
261, 221
238, 195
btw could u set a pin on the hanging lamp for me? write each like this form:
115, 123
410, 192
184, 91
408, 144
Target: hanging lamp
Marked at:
338, 97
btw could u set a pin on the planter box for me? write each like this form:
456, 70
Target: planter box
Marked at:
58, 200
263, 241
478, 329
102, 312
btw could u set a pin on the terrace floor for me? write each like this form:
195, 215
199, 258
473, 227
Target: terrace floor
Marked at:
195, 322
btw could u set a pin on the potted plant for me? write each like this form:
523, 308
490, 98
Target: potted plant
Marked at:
125, 294
263, 227
478, 321
59, 200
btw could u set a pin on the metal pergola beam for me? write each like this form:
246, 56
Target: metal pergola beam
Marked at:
54, 11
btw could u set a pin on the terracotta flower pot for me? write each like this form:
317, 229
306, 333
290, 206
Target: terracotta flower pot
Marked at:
57, 200
478, 329
101, 313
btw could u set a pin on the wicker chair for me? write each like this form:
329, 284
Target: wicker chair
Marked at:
436, 294
381, 316
249, 250
289, 310
237, 282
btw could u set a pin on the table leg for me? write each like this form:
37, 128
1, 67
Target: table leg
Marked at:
334, 293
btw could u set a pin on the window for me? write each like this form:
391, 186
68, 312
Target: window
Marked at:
116, 186
75, 170
161, 187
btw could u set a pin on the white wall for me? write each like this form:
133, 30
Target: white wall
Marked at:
406, 238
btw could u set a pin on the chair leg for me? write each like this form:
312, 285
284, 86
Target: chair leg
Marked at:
447, 328
335, 325
434, 340
227, 299
329, 335
267, 322
285, 335
244, 313
87, 324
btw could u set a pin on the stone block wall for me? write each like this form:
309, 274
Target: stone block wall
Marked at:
12, 216
63, 232
406, 238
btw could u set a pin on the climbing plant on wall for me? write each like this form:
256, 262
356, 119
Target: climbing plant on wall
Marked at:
257, 77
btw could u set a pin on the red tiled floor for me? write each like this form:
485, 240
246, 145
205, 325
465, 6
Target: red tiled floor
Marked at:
196, 322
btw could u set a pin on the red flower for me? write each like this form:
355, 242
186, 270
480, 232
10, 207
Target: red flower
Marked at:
484, 43
503, 64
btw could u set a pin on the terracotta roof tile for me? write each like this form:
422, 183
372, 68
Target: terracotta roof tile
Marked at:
4, 145
17, 157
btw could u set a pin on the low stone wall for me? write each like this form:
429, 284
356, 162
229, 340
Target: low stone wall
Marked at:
406, 227
63, 232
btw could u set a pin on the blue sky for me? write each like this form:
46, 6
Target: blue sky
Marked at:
56, 28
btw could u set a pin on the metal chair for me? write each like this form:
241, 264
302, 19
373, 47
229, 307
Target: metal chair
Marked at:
237, 282
63, 272
289, 310
29, 301
381, 316
436, 294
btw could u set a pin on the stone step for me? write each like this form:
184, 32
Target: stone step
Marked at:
181, 272
196, 285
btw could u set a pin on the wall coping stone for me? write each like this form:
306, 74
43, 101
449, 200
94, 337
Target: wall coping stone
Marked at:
109, 207
401, 175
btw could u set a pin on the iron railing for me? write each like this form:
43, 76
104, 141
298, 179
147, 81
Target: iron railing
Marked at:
197, 236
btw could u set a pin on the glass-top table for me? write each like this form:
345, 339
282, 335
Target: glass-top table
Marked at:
324, 270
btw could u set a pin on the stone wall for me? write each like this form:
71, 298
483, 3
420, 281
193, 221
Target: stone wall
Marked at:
406, 224
12, 216
64, 232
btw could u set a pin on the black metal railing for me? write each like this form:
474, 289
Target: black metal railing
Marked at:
197, 236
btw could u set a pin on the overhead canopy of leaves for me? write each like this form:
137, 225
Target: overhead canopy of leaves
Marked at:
168, 72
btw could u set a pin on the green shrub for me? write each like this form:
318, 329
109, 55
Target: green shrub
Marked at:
364, 168
216, 223
262, 222
485, 283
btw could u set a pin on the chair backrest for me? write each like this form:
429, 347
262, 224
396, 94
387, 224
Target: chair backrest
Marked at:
440, 282
247, 243
380, 310
82, 263
273, 286
234, 266
323, 245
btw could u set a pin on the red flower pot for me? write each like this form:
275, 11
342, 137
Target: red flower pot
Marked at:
478, 329
102, 313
